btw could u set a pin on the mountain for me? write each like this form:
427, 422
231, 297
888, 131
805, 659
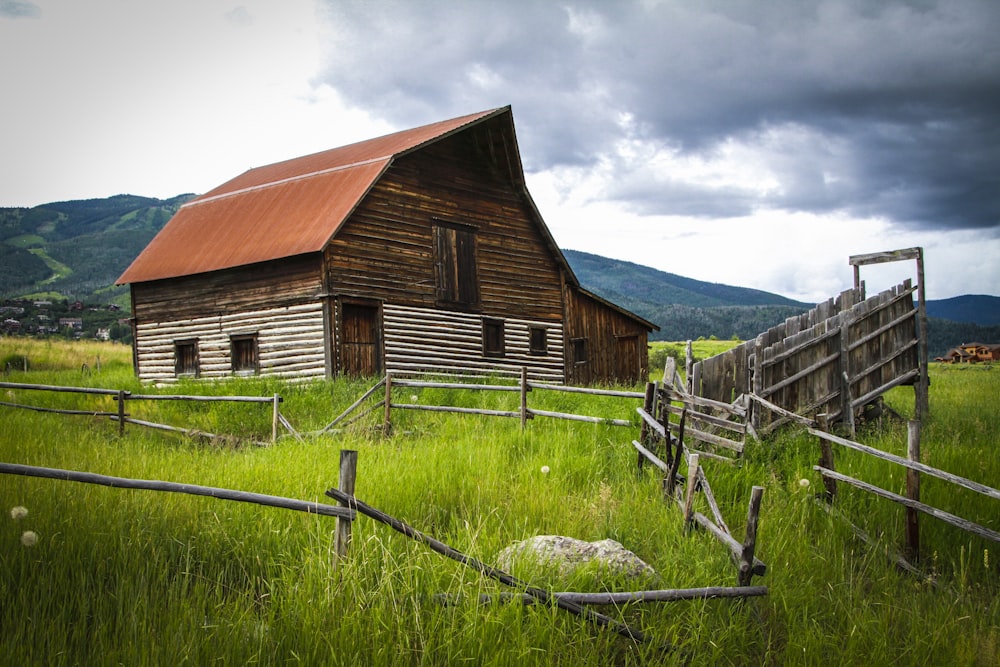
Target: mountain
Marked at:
978, 309
687, 309
684, 308
77, 249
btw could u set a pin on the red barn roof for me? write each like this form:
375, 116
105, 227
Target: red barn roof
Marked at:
280, 210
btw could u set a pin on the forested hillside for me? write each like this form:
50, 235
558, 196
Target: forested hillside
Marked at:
76, 249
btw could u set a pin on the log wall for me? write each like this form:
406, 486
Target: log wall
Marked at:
289, 342
423, 341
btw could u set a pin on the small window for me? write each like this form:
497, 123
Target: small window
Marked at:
493, 343
538, 342
580, 351
186, 358
244, 354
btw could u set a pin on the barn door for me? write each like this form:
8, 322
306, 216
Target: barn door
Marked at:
360, 340
627, 359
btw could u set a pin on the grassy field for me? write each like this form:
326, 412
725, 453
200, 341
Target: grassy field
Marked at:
135, 577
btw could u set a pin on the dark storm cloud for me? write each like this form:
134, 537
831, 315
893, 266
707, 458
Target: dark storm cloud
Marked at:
16, 9
885, 109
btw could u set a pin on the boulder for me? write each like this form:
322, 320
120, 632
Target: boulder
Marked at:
567, 554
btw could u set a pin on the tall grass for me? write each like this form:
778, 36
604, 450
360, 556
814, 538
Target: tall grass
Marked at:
136, 577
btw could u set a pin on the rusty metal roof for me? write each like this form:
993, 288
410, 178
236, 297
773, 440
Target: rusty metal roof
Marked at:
280, 210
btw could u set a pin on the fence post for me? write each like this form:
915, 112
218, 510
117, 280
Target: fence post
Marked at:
846, 397
387, 423
750, 542
348, 473
913, 489
692, 481
644, 436
826, 459
274, 420
688, 366
524, 397
121, 412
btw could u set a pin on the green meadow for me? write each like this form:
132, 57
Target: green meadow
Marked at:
91, 575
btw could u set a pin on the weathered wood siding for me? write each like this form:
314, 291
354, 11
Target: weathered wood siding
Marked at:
277, 301
385, 251
614, 346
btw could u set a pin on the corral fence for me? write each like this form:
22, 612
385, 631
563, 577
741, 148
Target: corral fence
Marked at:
523, 388
835, 359
122, 397
346, 510
911, 501
661, 434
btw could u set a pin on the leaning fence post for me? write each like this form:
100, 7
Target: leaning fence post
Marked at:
692, 482
750, 542
688, 365
644, 436
387, 423
121, 412
913, 489
826, 459
348, 473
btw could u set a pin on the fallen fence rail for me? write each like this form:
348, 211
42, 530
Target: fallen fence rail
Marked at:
176, 487
626, 597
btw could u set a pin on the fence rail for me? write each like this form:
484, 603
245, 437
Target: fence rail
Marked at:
122, 397
911, 500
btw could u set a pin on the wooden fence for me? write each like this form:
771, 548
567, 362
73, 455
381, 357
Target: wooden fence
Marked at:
524, 388
914, 468
835, 360
743, 553
346, 511
123, 417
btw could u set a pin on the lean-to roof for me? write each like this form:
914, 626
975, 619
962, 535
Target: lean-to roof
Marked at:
280, 210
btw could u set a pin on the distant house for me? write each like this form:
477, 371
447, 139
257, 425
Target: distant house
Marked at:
972, 353
74, 323
419, 252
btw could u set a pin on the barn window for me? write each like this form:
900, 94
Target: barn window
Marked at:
538, 341
580, 351
456, 272
186, 358
493, 343
244, 354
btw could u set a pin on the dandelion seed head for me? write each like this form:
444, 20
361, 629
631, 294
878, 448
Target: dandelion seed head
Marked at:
545, 470
413, 398
803, 482
18, 513
29, 538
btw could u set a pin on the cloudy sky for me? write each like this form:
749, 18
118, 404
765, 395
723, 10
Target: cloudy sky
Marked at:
752, 143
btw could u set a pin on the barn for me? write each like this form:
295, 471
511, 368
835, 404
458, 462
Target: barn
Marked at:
419, 252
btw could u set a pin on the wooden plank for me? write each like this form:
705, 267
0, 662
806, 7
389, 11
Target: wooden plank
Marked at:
957, 521
910, 465
622, 598
883, 257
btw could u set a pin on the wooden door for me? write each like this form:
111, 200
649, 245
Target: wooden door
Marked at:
627, 360
360, 340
